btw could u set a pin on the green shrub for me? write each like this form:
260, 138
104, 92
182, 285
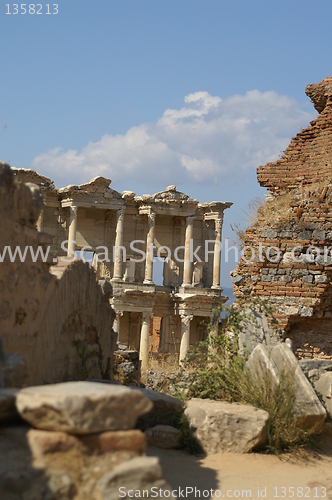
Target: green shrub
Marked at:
215, 370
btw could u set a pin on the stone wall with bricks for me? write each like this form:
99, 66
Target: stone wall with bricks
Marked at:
308, 157
292, 237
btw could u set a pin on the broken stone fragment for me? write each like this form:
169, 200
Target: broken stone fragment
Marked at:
164, 436
127, 368
219, 426
138, 474
324, 387
280, 358
81, 407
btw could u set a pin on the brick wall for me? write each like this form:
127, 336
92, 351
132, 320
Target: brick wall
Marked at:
308, 158
299, 215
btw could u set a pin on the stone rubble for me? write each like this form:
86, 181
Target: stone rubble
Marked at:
78, 456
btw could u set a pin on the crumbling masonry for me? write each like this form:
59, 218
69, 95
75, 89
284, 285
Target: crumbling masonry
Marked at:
297, 213
61, 324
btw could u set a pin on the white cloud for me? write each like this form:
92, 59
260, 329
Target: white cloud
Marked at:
208, 140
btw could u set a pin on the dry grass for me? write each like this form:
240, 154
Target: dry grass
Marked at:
221, 374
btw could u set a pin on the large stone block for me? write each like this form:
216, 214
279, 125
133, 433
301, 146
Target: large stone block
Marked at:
81, 407
324, 387
308, 409
219, 426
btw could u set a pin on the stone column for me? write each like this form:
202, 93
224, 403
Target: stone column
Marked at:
117, 273
187, 266
72, 231
217, 254
116, 323
40, 221
185, 334
144, 343
149, 255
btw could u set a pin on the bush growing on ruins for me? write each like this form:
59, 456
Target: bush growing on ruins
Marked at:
215, 370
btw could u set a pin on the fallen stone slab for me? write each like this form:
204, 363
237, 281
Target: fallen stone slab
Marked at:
165, 408
138, 474
164, 436
219, 426
308, 409
324, 387
8, 411
81, 407
315, 364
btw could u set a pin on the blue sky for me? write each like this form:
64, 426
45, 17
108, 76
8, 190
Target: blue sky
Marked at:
196, 93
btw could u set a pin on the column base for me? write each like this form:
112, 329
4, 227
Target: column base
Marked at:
116, 280
148, 282
216, 287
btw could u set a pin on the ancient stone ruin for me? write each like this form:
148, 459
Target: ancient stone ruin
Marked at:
95, 217
48, 319
296, 217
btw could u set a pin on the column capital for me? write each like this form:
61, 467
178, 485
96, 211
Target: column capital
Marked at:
146, 316
118, 313
73, 209
120, 213
190, 220
186, 318
218, 224
151, 218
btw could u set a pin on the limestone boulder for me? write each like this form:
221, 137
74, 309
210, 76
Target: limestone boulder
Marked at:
8, 411
164, 409
164, 436
81, 407
138, 474
219, 426
280, 359
324, 387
